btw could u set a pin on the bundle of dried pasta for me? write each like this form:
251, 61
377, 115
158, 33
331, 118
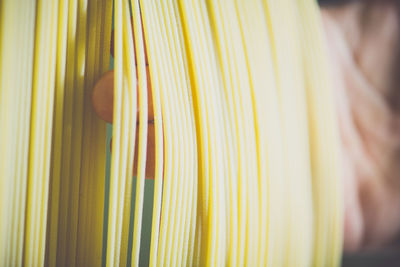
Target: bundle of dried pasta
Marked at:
246, 139
53, 146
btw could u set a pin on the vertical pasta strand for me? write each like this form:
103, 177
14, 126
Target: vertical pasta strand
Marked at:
83, 180
6, 19
129, 126
10, 257
231, 133
25, 95
296, 151
263, 89
118, 92
324, 141
16, 32
148, 24
118, 80
187, 132
125, 83
180, 180
55, 168
143, 128
243, 98
208, 146
41, 119
173, 144
237, 252
93, 137
60, 244
9, 171
188, 239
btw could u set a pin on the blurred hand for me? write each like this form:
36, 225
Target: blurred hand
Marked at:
364, 43
102, 99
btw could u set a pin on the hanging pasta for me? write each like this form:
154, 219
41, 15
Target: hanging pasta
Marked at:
237, 97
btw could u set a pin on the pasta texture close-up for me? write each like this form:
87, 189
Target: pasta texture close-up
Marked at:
246, 139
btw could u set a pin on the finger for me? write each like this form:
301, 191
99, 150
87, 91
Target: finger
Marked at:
102, 97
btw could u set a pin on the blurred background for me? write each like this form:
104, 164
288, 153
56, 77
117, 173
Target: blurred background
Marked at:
383, 257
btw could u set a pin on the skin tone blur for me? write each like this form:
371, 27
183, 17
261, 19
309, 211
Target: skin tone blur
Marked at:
363, 40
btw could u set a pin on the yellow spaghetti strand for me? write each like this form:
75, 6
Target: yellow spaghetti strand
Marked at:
143, 128
324, 140
148, 25
55, 169
40, 141
129, 120
62, 233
